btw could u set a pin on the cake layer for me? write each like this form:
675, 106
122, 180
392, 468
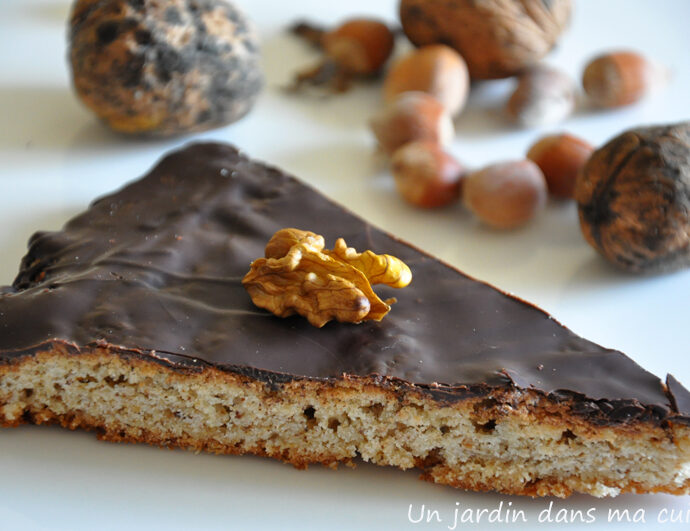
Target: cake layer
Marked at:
515, 441
156, 269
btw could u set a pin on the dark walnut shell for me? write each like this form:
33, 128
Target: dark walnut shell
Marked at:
634, 199
497, 39
164, 68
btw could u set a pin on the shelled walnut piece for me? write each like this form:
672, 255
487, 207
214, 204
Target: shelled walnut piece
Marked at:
299, 276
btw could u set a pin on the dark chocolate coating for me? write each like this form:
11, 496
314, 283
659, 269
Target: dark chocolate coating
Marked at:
157, 266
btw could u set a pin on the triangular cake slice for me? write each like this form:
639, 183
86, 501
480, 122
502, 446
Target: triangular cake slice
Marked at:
132, 321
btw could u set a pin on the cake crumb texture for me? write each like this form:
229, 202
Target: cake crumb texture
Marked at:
511, 441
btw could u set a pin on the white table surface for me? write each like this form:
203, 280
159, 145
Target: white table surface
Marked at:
55, 158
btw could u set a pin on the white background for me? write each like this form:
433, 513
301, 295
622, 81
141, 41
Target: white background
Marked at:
55, 158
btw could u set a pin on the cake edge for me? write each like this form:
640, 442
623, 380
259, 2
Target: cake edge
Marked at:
412, 429
602, 411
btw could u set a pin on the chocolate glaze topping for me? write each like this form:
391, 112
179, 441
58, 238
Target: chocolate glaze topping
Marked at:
156, 269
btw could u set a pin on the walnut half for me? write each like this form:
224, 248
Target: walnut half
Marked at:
299, 276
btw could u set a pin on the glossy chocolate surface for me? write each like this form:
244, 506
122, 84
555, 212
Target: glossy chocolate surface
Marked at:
157, 266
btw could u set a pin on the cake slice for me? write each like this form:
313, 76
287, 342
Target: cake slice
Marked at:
132, 321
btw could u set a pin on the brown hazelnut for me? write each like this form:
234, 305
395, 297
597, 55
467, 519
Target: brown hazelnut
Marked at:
358, 47
412, 116
561, 158
543, 96
505, 195
361, 46
435, 69
164, 68
634, 199
497, 39
620, 78
425, 175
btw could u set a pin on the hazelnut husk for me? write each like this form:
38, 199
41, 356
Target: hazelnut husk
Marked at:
360, 46
634, 199
497, 39
357, 48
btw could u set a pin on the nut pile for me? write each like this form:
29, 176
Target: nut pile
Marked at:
423, 91
426, 89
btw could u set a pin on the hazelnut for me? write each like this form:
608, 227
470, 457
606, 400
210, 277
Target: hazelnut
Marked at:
497, 39
543, 96
356, 48
620, 78
412, 116
361, 46
426, 176
164, 68
505, 195
435, 69
634, 199
560, 158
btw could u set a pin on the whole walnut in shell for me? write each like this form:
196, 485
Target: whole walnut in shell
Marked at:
164, 68
498, 39
634, 199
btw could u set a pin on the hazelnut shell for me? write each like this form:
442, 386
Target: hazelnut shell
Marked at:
435, 69
543, 96
360, 46
425, 175
505, 195
561, 158
634, 199
620, 78
412, 116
